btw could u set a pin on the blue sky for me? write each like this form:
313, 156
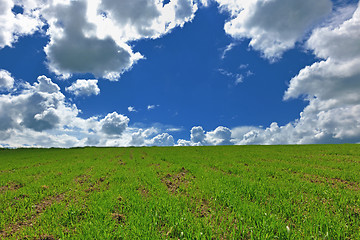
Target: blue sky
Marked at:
186, 72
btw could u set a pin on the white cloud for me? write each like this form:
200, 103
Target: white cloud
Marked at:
91, 36
273, 26
339, 69
45, 85
145, 18
244, 66
220, 136
88, 36
114, 124
138, 138
151, 107
84, 87
227, 49
131, 109
39, 107
6, 80
13, 25
38, 115
185, 143
163, 139
238, 78
331, 86
197, 135
75, 48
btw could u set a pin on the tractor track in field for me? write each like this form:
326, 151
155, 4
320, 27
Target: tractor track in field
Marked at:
333, 182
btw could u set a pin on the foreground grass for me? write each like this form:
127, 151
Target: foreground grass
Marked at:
227, 192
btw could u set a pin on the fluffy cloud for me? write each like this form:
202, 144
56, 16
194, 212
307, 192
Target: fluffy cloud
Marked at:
198, 137
331, 86
163, 139
38, 115
273, 26
114, 124
91, 36
39, 107
6, 80
220, 136
143, 18
75, 48
15, 25
84, 87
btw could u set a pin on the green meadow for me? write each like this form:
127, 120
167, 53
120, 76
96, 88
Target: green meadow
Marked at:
223, 192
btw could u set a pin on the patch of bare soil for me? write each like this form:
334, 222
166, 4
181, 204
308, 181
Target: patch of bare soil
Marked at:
117, 215
21, 197
31, 220
82, 179
43, 237
154, 165
12, 186
119, 218
144, 155
96, 186
204, 208
47, 237
144, 192
174, 181
118, 158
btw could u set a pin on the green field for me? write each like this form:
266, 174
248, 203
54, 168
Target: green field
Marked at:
225, 192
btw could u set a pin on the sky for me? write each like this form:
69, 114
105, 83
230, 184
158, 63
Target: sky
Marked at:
179, 73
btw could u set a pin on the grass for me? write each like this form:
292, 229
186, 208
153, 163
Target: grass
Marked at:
225, 192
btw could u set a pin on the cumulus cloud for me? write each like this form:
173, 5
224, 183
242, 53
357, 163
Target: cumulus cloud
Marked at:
163, 139
331, 86
141, 18
14, 25
114, 124
220, 136
138, 138
39, 107
198, 137
273, 26
75, 48
6, 80
84, 87
39, 115
91, 36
